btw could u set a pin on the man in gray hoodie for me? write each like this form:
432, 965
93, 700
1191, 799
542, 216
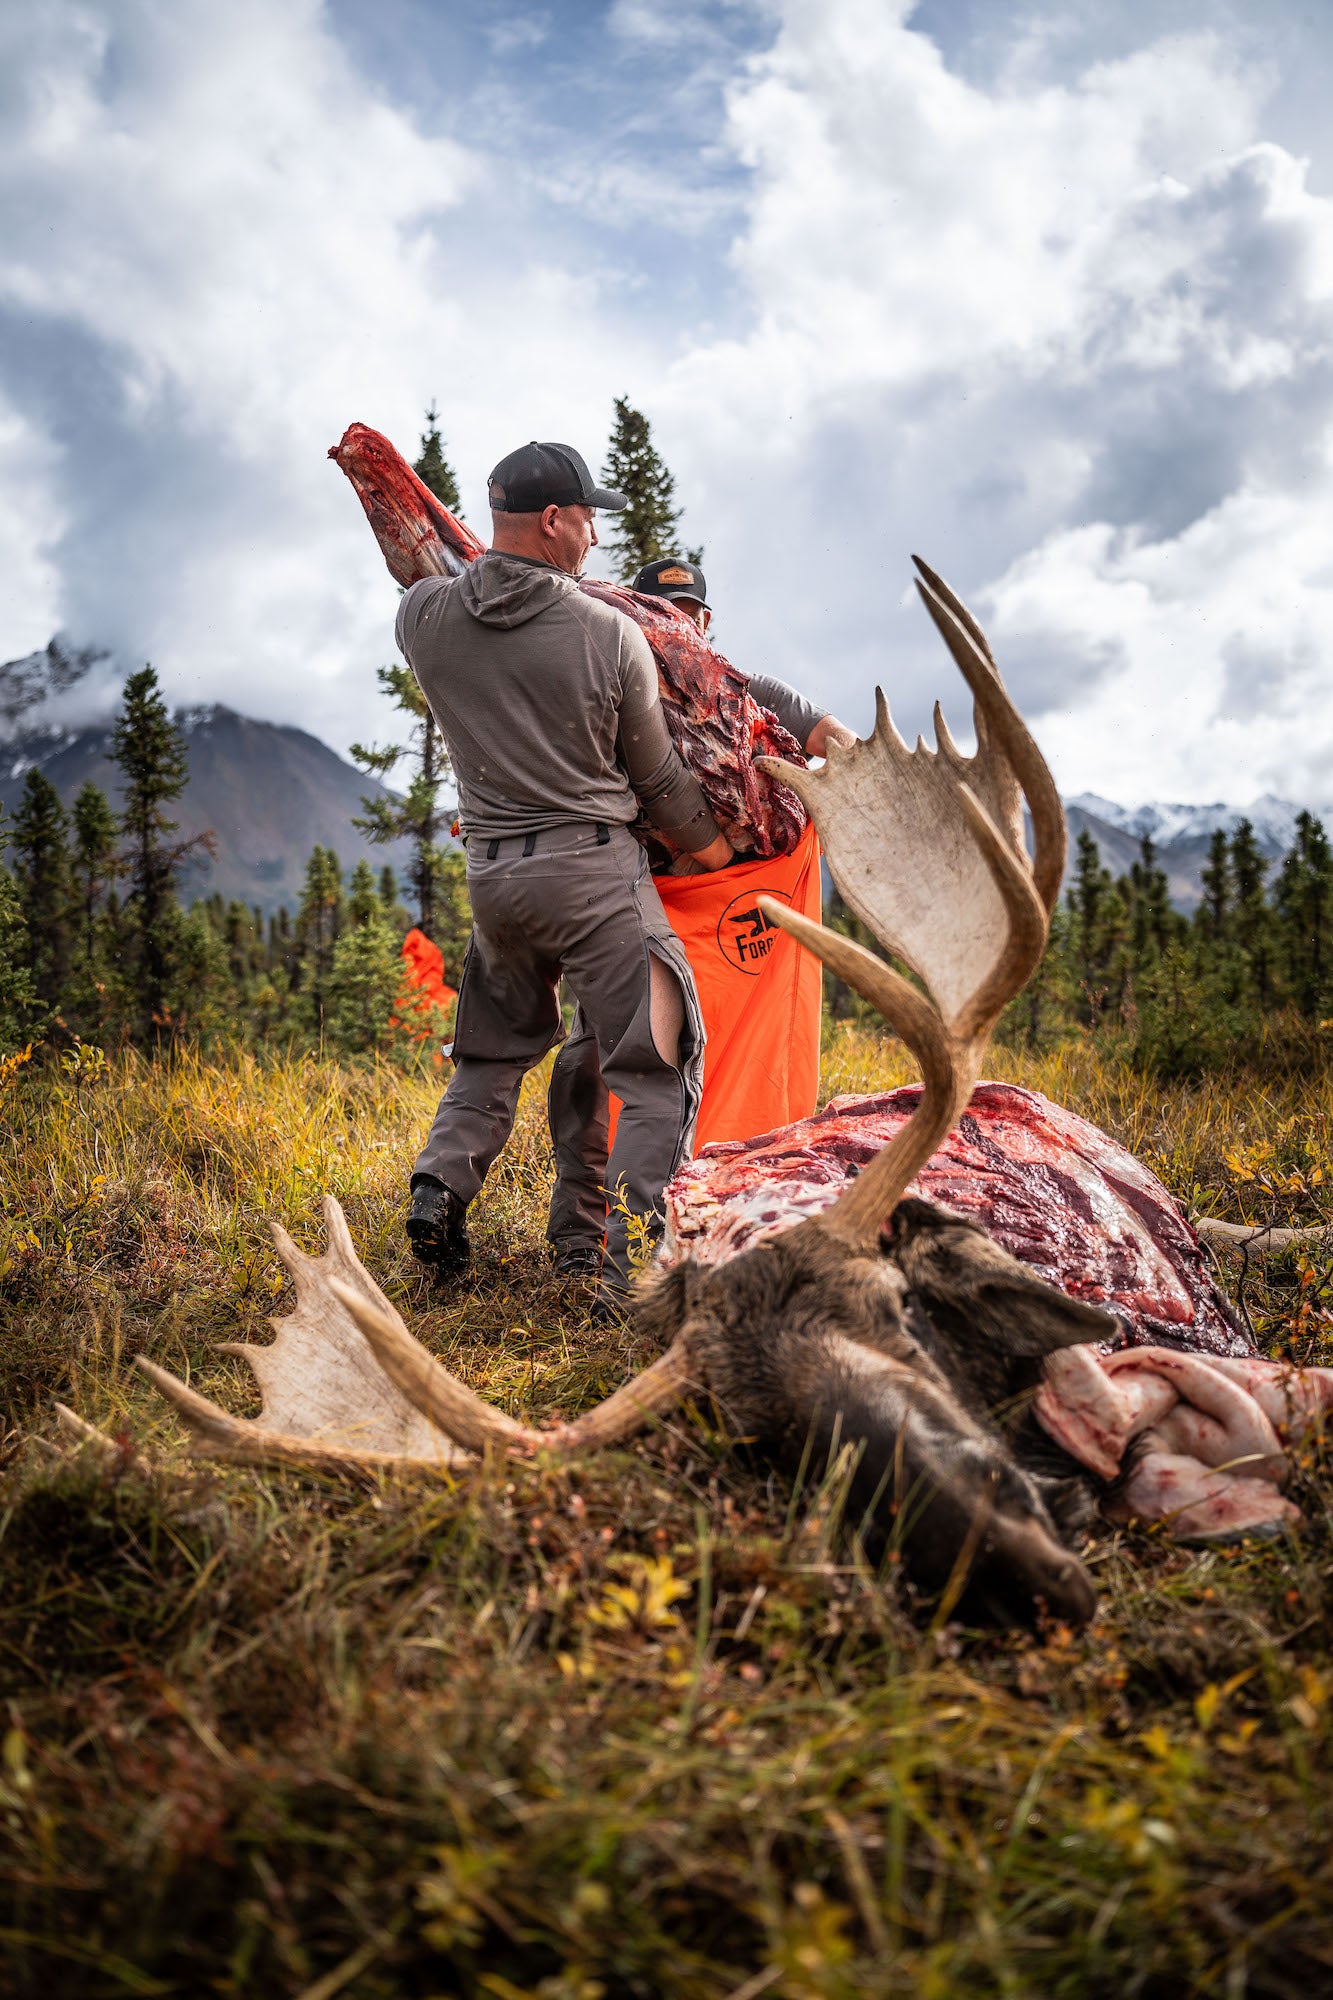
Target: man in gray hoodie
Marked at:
547, 701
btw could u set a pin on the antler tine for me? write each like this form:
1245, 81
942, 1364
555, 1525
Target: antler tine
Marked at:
1028, 924
445, 1401
470, 1421
956, 627
340, 1236
949, 596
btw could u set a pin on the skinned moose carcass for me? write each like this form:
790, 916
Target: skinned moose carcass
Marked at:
981, 1406
1181, 1421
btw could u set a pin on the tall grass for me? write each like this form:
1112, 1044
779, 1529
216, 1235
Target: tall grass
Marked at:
629, 1724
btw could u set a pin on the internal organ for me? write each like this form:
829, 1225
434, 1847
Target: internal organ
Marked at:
715, 723
1184, 1423
1208, 1432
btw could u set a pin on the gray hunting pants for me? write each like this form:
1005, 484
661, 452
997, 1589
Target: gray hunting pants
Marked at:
568, 903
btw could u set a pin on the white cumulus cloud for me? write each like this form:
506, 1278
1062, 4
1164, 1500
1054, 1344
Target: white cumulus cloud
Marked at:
1059, 336
221, 244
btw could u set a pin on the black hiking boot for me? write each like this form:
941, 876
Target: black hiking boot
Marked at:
577, 1262
436, 1229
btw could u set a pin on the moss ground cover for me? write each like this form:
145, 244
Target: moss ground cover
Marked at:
630, 1724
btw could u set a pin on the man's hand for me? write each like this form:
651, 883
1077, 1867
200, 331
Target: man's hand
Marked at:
828, 730
717, 854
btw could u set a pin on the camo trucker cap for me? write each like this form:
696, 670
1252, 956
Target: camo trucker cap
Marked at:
548, 475
672, 577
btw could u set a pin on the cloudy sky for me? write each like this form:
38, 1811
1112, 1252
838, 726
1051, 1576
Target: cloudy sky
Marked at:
1044, 291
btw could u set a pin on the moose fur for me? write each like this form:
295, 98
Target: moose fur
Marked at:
921, 1355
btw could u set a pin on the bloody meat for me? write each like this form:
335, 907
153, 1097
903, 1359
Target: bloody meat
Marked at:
1053, 1190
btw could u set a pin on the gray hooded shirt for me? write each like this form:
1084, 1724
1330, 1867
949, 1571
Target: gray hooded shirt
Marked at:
547, 701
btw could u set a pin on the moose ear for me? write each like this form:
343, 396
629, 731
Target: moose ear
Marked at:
958, 1269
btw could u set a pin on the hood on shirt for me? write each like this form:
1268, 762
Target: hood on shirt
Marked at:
508, 590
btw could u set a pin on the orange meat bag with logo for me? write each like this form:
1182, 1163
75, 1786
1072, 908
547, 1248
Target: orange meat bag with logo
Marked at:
759, 992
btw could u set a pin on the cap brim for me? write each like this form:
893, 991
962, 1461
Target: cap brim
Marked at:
607, 499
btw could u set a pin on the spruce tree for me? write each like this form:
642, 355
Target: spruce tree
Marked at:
318, 925
433, 469
1305, 904
42, 870
363, 896
151, 753
366, 972
1085, 897
95, 863
1153, 923
453, 913
242, 932
1215, 908
20, 1017
648, 528
281, 958
418, 816
1253, 917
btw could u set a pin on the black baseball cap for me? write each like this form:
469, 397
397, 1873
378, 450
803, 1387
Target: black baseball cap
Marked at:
672, 577
548, 475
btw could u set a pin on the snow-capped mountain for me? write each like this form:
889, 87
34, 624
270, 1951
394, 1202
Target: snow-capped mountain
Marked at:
1179, 833
1273, 819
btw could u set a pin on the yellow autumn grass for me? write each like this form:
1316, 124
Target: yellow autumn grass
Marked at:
627, 1725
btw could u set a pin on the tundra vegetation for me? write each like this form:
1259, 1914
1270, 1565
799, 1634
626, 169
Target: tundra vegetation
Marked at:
627, 1723
618, 1722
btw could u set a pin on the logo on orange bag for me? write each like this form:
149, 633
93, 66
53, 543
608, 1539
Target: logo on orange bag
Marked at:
745, 936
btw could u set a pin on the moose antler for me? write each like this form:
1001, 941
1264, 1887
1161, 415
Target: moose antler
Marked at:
347, 1389
926, 846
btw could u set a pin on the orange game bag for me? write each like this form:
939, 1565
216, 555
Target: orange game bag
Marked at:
759, 991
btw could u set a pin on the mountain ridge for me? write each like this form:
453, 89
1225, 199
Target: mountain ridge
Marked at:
268, 791
1181, 835
1273, 819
